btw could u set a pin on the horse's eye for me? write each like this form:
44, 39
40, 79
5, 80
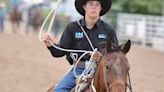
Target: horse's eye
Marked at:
107, 67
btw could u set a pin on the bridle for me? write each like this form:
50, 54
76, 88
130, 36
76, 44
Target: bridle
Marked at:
121, 83
109, 85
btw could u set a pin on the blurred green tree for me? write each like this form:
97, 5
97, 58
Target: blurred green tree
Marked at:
153, 7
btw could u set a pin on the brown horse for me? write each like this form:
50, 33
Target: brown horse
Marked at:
112, 70
16, 18
36, 21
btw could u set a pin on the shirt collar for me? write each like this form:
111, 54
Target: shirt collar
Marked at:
83, 23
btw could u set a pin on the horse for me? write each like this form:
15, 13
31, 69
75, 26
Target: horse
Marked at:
112, 71
15, 18
36, 21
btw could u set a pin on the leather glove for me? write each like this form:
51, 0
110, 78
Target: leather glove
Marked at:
97, 56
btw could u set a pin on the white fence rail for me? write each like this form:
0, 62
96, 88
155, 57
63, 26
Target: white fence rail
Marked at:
143, 29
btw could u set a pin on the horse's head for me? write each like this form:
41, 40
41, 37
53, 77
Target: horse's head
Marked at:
116, 66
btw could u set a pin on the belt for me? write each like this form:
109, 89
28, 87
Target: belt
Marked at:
80, 63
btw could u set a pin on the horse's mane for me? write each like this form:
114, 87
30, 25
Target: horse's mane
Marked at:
112, 47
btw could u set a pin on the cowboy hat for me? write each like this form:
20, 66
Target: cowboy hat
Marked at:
105, 4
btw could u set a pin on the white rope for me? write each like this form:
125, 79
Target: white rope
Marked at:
86, 35
74, 69
69, 50
52, 20
50, 27
92, 86
85, 74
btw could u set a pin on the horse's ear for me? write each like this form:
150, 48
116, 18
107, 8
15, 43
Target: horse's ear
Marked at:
125, 49
108, 44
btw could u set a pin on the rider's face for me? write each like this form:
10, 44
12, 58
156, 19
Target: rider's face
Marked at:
92, 8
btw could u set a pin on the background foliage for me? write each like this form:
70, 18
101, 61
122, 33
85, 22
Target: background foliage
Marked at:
151, 7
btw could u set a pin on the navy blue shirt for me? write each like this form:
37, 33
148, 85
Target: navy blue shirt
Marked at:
74, 38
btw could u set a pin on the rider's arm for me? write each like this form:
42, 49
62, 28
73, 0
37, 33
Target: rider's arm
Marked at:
65, 42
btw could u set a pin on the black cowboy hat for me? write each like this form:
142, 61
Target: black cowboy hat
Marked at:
105, 4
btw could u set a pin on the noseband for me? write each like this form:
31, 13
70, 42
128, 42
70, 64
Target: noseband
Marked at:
121, 83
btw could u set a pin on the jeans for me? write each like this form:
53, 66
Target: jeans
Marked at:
68, 81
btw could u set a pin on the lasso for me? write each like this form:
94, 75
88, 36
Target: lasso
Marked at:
89, 70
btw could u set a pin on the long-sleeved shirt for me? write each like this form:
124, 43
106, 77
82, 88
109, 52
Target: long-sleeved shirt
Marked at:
74, 38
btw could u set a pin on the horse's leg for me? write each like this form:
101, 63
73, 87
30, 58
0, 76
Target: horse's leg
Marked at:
17, 25
13, 27
27, 28
35, 28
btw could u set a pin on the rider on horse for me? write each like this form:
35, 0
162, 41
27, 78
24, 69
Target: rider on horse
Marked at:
74, 38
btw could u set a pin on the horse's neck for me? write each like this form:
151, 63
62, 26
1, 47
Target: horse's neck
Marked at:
99, 81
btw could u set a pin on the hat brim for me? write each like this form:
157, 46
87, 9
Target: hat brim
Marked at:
105, 4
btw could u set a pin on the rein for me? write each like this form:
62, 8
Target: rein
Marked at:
121, 83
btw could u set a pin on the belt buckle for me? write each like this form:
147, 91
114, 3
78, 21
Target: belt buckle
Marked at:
80, 63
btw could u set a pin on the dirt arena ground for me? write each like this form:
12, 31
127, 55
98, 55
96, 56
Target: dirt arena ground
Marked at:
27, 66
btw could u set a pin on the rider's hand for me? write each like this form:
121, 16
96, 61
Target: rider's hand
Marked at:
97, 56
46, 38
